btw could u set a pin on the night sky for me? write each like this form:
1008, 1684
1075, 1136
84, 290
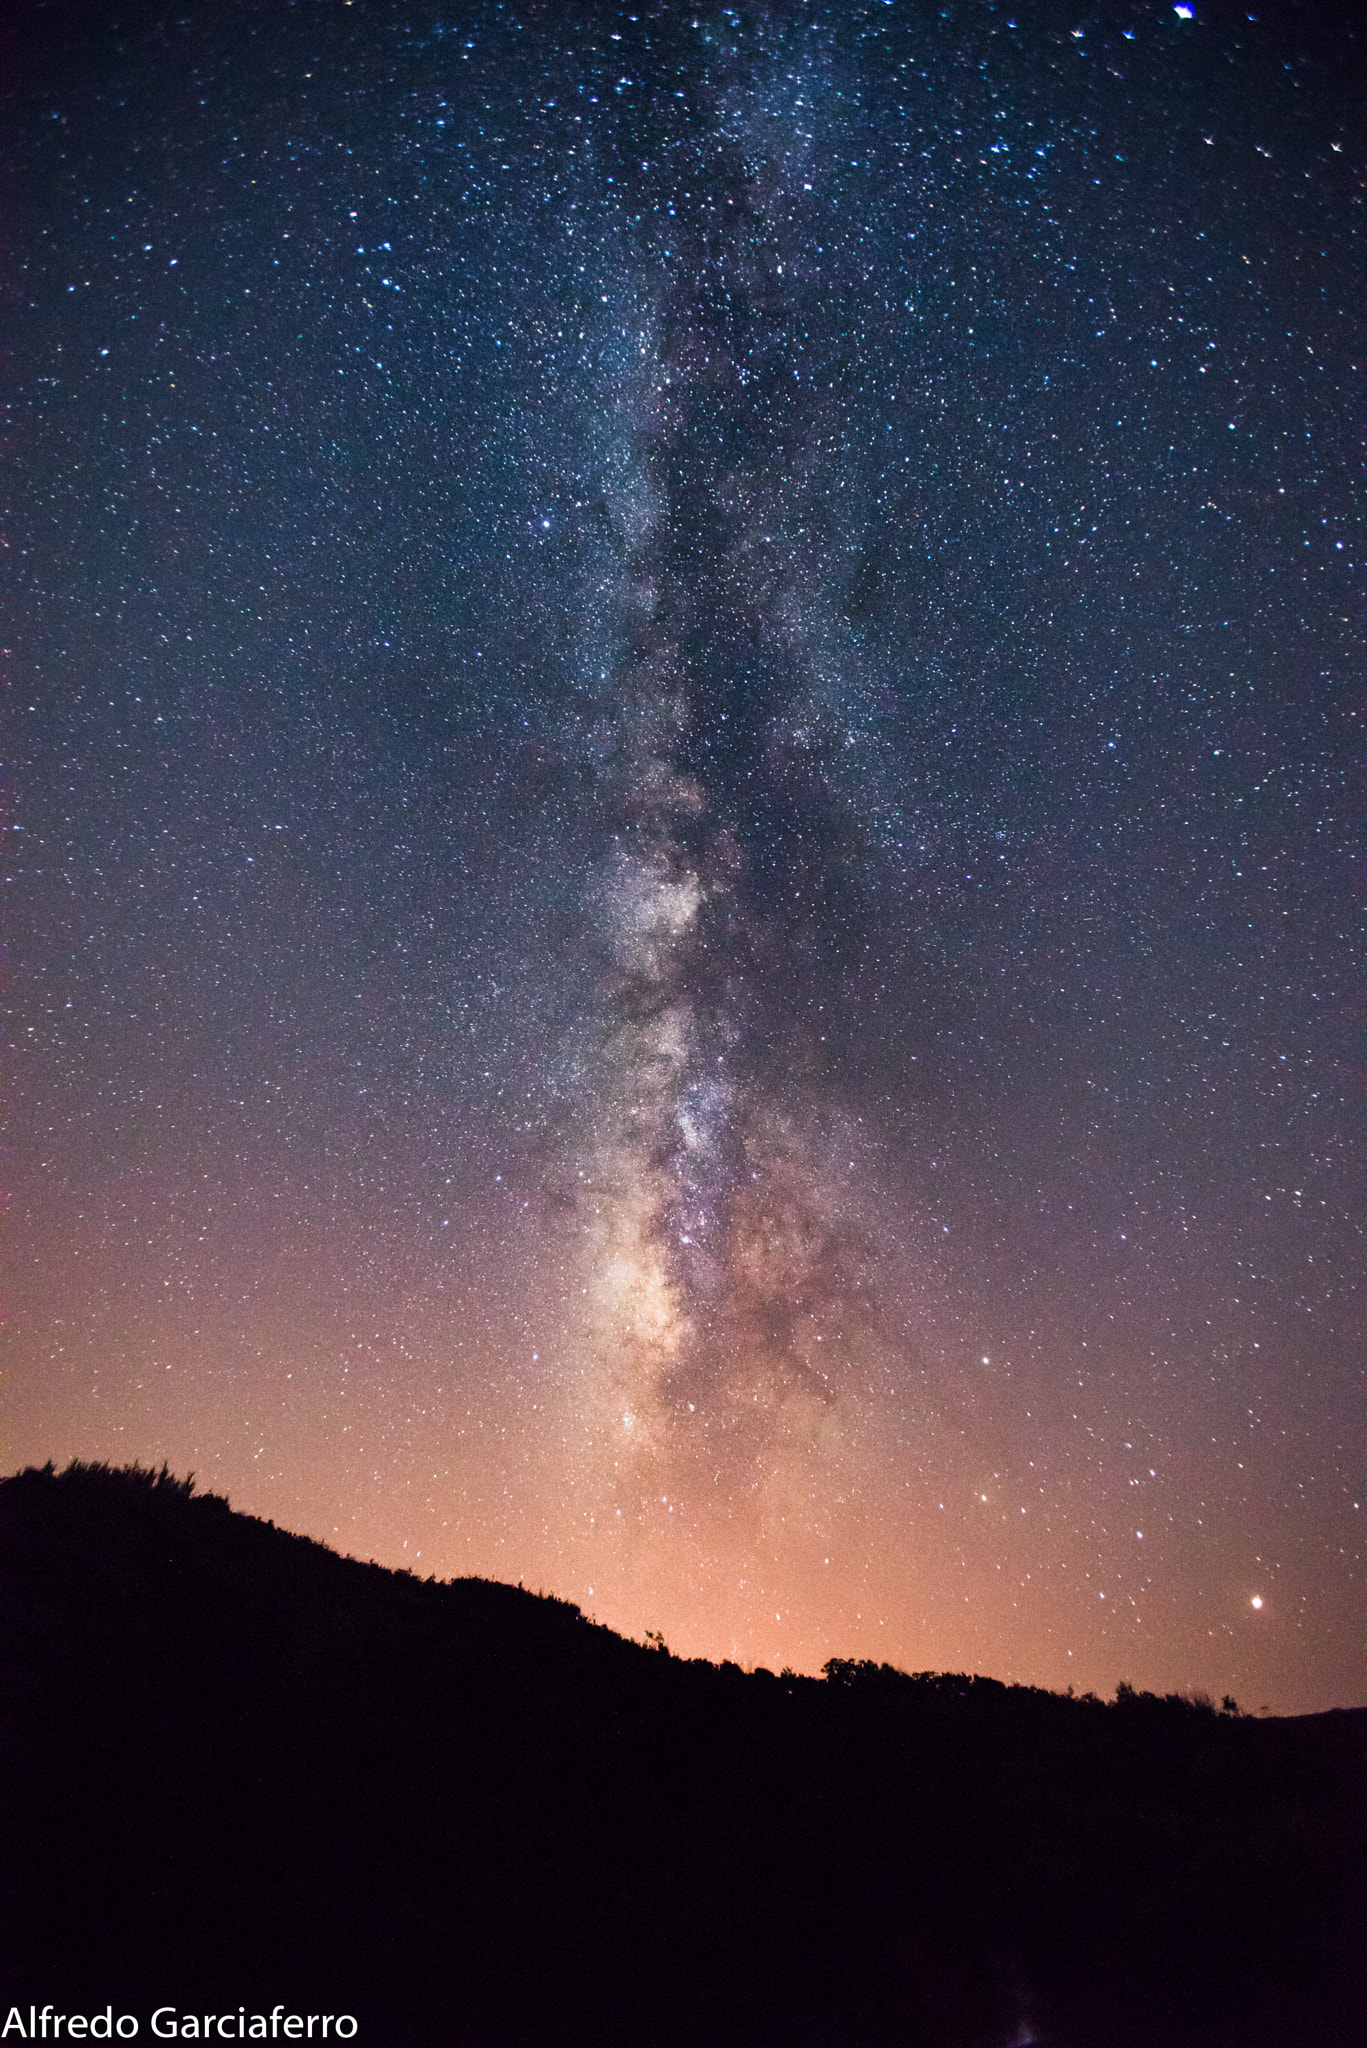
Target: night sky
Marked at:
679, 704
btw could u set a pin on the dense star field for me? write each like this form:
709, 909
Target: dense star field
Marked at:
680, 702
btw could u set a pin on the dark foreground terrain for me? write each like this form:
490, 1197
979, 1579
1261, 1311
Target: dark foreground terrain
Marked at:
241, 1770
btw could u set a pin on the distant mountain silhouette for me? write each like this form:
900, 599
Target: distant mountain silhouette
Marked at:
240, 1769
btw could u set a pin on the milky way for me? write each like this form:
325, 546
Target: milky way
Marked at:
722, 1249
678, 824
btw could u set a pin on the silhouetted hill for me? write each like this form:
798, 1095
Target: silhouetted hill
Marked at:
242, 1770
